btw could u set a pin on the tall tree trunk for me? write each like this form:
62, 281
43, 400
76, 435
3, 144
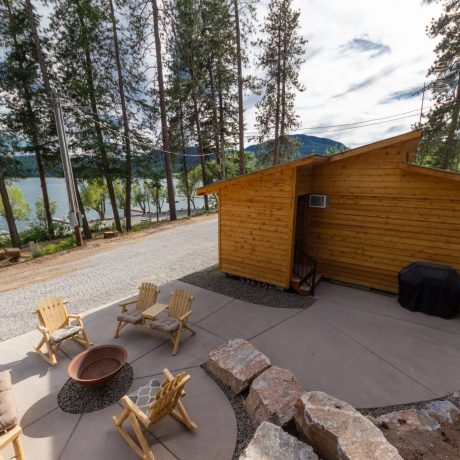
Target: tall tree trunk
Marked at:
215, 123
86, 230
276, 155
124, 115
164, 122
184, 150
48, 90
44, 187
196, 115
41, 170
283, 92
97, 125
41, 59
448, 151
221, 124
240, 87
9, 216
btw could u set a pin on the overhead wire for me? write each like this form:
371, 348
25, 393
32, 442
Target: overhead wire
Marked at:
342, 127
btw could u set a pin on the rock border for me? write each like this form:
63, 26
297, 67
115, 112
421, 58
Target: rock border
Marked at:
244, 428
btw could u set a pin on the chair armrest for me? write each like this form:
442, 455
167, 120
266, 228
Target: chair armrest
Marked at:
73, 316
44, 330
184, 317
9, 436
129, 302
77, 317
137, 412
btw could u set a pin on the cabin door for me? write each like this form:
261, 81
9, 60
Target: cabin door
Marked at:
301, 228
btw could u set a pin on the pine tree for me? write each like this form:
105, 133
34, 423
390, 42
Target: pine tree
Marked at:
203, 79
441, 133
81, 49
25, 101
124, 114
243, 19
187, 75
163, 113
282, 54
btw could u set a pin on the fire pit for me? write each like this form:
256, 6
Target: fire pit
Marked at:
97, 365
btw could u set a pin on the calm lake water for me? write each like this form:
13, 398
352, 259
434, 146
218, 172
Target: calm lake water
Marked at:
30, 187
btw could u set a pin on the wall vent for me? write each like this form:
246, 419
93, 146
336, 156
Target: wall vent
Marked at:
317, 201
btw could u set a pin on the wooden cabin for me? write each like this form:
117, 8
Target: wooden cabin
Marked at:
359, 216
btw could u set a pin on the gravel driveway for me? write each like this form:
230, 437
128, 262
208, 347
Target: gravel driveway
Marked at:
114, 274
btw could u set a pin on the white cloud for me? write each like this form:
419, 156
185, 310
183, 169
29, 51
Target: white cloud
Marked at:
345, 81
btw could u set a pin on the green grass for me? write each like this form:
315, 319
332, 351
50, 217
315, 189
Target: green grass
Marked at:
56, 247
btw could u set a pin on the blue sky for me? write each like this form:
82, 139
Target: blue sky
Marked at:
363, 61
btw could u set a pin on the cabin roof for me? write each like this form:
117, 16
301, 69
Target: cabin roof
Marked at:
314, 160
430, 171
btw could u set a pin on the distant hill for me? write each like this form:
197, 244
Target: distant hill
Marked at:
309, 145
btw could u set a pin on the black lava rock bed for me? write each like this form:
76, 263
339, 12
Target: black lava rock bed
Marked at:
245, 430
247, 290
78, 399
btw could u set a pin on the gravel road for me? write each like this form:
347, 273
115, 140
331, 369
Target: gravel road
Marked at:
111, 275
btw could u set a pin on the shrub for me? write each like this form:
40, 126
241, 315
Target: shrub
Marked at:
56, 247
142, 226
38, 233
5, 241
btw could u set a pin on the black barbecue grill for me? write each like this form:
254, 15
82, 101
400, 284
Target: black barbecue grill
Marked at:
430, 288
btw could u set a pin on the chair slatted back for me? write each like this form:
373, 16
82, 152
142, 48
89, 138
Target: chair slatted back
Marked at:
167, 398
148, 293
181, 303
52, 313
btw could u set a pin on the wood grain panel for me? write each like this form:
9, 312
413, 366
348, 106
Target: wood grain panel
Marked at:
255, 228
381, 218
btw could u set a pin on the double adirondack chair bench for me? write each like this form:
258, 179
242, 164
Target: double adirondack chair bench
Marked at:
170, 318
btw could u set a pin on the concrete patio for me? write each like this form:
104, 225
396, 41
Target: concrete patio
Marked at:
359, 346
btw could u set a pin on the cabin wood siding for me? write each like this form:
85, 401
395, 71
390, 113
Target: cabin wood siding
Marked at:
256, 219
381, 218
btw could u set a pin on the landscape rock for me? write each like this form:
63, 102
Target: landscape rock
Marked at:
408, 420
272, 443
455, 399
272, 397
337, 431
237, 363
442, 411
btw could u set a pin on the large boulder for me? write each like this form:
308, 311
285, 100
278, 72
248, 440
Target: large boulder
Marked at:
272, 443
442, 411
337, 431
237, 363
272, 397
407, 420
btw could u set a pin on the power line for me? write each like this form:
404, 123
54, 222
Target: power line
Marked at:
348, 126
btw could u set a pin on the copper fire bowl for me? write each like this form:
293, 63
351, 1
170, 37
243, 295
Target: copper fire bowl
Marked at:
97, 365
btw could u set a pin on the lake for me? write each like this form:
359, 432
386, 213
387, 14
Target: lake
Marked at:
57, 191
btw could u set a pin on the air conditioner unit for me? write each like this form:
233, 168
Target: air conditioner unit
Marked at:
317, 201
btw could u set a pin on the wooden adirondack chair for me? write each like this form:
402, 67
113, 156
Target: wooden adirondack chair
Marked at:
56, 327
10, 431
148, 293
179, 310
160, 401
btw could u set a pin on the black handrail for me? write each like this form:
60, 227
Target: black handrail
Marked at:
304, 267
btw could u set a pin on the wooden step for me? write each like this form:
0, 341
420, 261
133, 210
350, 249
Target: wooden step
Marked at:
305, 288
